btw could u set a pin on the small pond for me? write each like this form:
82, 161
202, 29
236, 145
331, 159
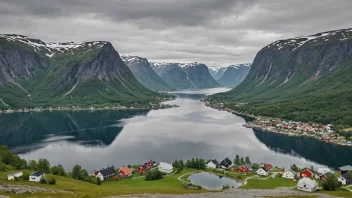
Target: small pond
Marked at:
213, 182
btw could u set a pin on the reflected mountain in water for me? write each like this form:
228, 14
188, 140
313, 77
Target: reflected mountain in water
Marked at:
36, 129
309, 148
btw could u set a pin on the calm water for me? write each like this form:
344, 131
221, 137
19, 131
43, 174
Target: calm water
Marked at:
101, 138
213, 182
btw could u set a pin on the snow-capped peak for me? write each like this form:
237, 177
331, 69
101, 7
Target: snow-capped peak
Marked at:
132, 59
50, 49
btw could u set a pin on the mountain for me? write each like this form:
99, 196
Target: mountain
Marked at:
234, 75
38, 74
304, 78
185, 76
143, 72
217, 72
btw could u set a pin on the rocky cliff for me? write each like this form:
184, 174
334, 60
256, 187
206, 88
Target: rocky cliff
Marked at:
38, 74
185, 76
143, 72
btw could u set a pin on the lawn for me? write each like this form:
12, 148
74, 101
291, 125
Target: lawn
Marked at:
269, 183
167, 185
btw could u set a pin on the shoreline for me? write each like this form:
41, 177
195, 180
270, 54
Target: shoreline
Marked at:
262, 129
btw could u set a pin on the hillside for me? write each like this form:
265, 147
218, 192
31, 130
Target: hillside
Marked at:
217, 72
38, 74
185, 76
143, 72
234, 75
303, 78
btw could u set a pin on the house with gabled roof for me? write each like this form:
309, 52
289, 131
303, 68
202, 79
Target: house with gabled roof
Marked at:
345, 169
307, 184
105, 173
345, 179
212, 164
324, 176
306, 173
263, 171
125, 171
245, 168
226, 163
290, 174
37, 176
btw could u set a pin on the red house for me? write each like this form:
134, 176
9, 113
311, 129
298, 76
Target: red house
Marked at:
323, 177
143, 169
245, 168
125, 172
266, 166
306, 173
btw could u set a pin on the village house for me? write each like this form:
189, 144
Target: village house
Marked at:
37, 176
245, 168
212, 164
144, 168
165, 167
226, 163
306, 173
345, 179
324, 176
263, 171
344, 169
306, 184
14, 175
266, 166
125, 171
323, 170
289, 174
105, 173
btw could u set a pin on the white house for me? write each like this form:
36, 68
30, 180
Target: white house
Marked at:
211, 164
165, 167
323, 170
15, 175
37, 176
342, 180
306, 184
263, 172
289, 174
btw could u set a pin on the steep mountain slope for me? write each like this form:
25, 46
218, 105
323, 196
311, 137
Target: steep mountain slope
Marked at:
217, 72
303, 78
38, 74
185, 76
143, 72
234, 75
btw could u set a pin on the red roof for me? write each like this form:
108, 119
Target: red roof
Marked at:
126, 170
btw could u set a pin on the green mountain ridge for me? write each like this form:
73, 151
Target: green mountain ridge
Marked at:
38, 74
304, 79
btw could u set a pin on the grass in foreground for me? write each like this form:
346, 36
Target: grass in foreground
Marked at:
269, 183
167, 185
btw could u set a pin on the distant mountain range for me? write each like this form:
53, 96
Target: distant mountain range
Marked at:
217, 72
38, 74
142, 70
306, 78
185, 76
234, 75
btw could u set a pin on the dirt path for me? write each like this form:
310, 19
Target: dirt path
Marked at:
238, 193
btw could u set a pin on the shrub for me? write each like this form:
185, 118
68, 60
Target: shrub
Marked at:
331, 183
153, 174
25, 176
43, 181
51, 181
98, 181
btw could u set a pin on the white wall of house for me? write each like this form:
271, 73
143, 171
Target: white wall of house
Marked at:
165, 167
288, 175
36, 179
307, 185
101, 176
342, 180
211, 165
15, 175
262, 172
323, 170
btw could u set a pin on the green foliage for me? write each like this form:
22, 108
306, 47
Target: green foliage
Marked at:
33, 165
25, 175
196, 163
51, 181
255, 166
178, 164
331, 183
98, 181
247, 160
153, 174
294, 168
237, 160
11, 160
349, 172
242, 160
43, 165
76, 170
43, 181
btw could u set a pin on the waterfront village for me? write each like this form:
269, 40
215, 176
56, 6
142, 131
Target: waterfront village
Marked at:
248, 175
324, 133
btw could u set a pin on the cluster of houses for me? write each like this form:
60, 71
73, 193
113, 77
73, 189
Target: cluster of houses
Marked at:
305, 182
322, 132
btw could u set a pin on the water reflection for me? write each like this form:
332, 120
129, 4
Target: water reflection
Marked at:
329, 154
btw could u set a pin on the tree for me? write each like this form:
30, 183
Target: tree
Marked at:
76, 170
54, 170
43, 165
83, 174
61, 170
247, 160
255, 166
98, 181
33, 165
51, 181
237, 160
153, 174
294, 168
331, 183
43, 181
242, 161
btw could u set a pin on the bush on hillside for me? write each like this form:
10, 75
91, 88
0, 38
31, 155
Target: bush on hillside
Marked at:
153, 174
51, 181
43, 181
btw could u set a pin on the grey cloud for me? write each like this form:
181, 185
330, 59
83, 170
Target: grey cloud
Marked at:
215, 32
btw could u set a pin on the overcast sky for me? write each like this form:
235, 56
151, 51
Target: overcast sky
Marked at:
215, 32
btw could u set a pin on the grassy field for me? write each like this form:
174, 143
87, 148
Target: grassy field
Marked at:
269, 183
167, 185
